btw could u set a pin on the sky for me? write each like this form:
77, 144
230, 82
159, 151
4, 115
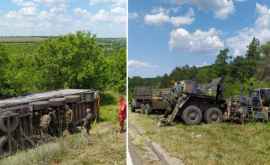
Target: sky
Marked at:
164, 34
105, 18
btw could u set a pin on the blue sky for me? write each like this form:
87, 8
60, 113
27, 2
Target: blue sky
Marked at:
164, 34
106, 18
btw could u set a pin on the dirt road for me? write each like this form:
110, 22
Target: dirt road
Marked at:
142, 150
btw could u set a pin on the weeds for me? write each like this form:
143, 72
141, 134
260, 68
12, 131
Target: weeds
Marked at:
225, 143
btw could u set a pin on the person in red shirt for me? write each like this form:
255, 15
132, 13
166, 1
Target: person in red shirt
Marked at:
122, 113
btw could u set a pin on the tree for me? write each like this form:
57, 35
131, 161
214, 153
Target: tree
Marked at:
72, 61
222, 62
263, 67
118, 70
253, 52
266, 50
3, 64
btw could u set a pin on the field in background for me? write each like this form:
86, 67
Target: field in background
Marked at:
225, 143
106, 145
27, 45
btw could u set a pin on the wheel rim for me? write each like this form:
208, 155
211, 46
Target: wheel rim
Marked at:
214, 116
193, 115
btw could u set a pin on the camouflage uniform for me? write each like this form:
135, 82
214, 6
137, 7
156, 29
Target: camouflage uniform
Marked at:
45, 121
171, 101
88, 120
53, 124
69, 119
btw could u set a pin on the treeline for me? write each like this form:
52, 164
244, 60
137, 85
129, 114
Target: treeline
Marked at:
69, 61
251, 69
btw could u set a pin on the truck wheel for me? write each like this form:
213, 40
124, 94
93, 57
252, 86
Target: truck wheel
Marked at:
213, 115
147, 109
4, 147
133, 105
142, 108
192, 115
13, 121
132, 109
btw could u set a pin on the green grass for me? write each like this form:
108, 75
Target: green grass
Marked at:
224, 143
109, 113
21, 48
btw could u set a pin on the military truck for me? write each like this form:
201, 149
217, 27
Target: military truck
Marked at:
250, 108
193, 105
149, 99
20, 116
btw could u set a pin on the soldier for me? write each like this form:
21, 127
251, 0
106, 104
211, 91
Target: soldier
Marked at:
53, 124
45, 121
220, 89
69, 119
88, 120
178, 88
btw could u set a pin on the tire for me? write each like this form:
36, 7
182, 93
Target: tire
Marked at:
133, 106
4, 148
147, 109
132, 109
142, 108
192, 115
13, 119
213, 115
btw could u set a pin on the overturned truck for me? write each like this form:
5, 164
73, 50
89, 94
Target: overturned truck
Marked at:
20, 116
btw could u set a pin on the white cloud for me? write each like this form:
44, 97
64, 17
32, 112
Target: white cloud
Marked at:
133, 15
161, 16
196, 42
81, 12
261, 30
221, 8
240, 0
122, 3
115, 16
139, 64
156, 19
54, 17
119, 10
52, 2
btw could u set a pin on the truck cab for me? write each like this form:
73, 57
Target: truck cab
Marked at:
148, 99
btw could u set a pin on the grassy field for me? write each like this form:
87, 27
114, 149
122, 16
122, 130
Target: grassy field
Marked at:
105, 145
225, 143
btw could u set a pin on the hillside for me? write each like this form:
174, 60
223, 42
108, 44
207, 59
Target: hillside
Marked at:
249, 70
